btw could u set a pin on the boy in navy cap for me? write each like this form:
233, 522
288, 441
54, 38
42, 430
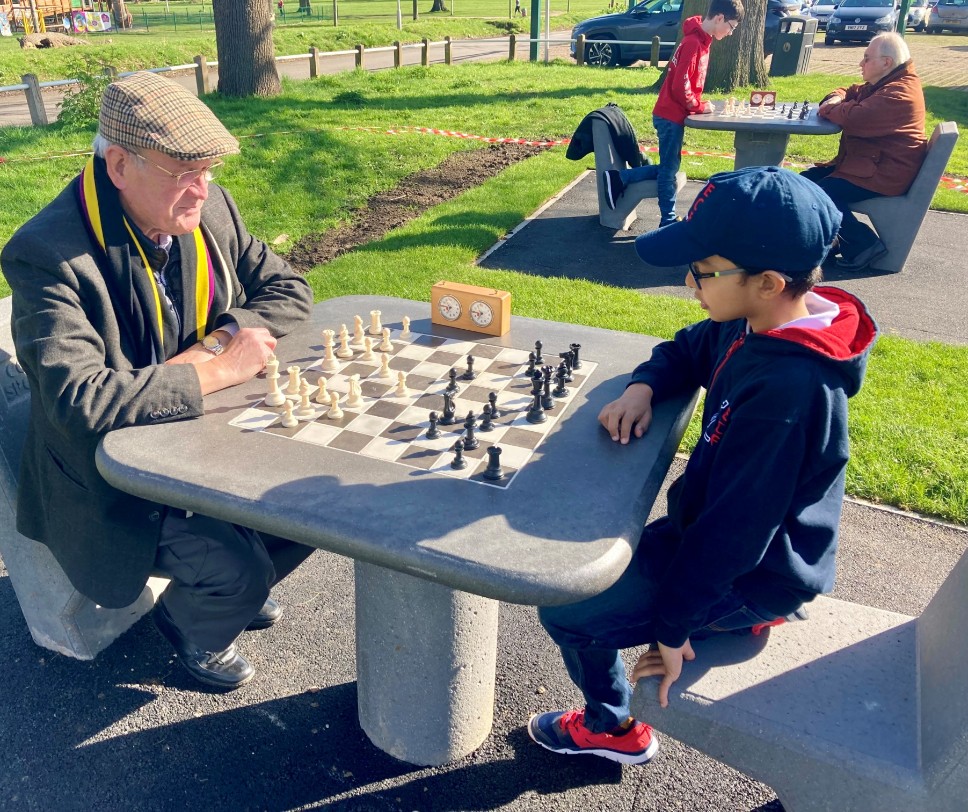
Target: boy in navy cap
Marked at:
751, 532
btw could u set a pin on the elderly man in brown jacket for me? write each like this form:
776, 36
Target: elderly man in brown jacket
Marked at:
882, 145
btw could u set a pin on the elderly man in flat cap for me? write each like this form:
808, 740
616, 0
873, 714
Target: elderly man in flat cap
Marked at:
136, 292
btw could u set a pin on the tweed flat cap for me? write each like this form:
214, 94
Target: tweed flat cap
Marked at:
147, 111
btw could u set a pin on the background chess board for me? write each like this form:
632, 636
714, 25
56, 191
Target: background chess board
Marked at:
393, 429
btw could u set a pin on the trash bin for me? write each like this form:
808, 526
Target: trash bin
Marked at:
794, 46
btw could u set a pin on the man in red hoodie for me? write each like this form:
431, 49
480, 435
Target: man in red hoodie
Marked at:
681, 95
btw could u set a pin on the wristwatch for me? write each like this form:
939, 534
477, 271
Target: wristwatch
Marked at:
213, 345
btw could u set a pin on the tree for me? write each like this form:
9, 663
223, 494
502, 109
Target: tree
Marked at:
122, 18
439, 5
246, 56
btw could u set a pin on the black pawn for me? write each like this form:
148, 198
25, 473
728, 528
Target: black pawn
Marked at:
469, 374
575, 360
487, 423
470, 439
448, 416
458, 462
790, 114
783, 109
495, 411
452, 383
547, 401
433, 432
803, 113
560, 390
493, 470
538, 359
532, 360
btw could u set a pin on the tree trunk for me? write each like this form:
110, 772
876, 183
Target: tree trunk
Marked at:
122, 19
738, 60
246, 56
438, 6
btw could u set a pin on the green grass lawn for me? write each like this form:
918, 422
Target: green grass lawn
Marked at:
304, 168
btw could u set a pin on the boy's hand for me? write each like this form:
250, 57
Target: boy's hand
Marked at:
665, 662
707, 107
631, 411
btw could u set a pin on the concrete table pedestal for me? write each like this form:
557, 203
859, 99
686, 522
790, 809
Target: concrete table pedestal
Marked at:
425, 664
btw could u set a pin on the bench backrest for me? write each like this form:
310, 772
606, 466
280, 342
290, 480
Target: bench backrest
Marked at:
940, 146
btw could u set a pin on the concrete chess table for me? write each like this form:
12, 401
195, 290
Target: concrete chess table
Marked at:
761, 139
433, 553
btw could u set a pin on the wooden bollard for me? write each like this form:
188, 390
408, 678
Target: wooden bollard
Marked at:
512, 46
425, 53
314, 53
359, 55
35, 101
448, 55
580, 50
654, 56
202, 80
398, 54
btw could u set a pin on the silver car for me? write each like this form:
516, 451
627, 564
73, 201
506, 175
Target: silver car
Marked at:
821, 11
949, 15
919, 13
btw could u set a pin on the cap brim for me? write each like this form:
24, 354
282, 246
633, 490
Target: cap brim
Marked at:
671, 245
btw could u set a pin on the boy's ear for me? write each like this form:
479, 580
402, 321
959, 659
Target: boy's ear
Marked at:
770, 283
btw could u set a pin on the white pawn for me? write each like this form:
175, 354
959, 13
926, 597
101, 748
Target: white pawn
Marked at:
335, 412
401, 391
358, 334
306, 408
375, 326
367, 350
322, 396
386, 345
405, 332
385, 366
288, 418
294, 380
344, 350
355, 398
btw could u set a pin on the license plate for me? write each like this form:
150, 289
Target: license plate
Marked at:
855, 28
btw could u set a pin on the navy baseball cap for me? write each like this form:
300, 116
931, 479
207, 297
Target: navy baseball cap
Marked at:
761, 217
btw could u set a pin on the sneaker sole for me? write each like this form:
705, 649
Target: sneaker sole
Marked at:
609, 193
611, 755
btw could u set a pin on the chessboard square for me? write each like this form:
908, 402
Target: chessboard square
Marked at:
492, 437
577, 379
516, 437
347, 418
488, 351
318, 433
429, 370
338, 383
423, 458
477, 453
460, 347
424, 340
283, 431
416, 415
418, 352
514, 402
350, 441
443, 467
402, 432
429, 402
504, 369
476, 394
382, 448
514, 456
491, 380
503, 482
371, 424
445, 442
419, 382
375, 388
521, 422
384, 408
356, 368
448, 360
403, 364
512, 355
254, 420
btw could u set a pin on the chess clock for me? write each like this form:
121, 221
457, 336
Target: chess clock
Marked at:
469, 307
762, 98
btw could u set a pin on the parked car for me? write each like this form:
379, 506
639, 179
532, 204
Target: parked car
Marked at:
949, 15
821, 11
860, 20
654, 18
919, 13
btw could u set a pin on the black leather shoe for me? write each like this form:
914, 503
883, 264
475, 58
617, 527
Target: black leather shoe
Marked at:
225, 669
864, 259
270, 613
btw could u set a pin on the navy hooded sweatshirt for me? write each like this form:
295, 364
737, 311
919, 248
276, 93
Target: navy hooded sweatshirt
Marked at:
757, 509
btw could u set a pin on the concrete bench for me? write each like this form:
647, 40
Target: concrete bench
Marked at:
856, 709
607, 157
898, 219
58, 616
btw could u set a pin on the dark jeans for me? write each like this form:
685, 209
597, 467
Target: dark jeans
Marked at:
855, 236
670, 159
220, 575
591, 632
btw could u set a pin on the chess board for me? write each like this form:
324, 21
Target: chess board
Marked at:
392, 428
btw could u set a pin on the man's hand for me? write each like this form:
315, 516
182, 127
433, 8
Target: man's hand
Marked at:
663, 662
630, 413
243, 359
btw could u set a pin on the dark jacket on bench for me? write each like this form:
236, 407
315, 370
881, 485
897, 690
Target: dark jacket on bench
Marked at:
883, 144
623, 136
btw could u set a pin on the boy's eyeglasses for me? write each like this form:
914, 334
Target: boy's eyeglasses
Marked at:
698, 275
733, 25
185, 179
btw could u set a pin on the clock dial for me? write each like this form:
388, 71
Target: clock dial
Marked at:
481, 313
449, 308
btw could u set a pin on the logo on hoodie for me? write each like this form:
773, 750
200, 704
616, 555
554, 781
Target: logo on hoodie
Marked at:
716, 425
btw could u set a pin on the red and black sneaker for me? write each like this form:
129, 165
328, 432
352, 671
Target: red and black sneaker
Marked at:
565, 732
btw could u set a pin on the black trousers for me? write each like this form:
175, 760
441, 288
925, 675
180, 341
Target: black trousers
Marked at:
855, 236
220, 575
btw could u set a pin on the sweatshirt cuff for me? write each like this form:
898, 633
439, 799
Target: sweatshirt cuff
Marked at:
671, 636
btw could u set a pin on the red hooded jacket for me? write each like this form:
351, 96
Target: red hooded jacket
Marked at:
681, 93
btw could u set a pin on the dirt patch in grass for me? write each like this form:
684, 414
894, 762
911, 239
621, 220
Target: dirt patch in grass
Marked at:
414, 195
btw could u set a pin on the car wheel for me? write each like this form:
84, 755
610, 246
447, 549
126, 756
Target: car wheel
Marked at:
603, 54
919, 28
829, 40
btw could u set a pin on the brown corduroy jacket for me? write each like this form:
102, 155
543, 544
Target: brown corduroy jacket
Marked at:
883, 142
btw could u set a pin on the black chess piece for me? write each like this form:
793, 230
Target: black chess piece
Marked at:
532, 361
547, 400
790, 114
536, 409
783, 110
796, 105
560, 390
803, 113
537, 380
469, 373
447, 419
487, 422
567, 358
452, 383
495, 411
433, 432
458, 462
538, 358
575, 360
493, 471
470, 439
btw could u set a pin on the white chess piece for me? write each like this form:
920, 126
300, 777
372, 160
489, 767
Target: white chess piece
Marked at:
330, 364
401, 391
357, 340
375, 326
335, 412
344, 350
405, 332
355, 398
385, 366
306, 408
272, 365
288, 418
386, 345
294, 380
322, 396
275, 396
367, 350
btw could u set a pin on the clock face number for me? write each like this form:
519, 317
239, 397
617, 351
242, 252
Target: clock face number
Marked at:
481, 313
449, 308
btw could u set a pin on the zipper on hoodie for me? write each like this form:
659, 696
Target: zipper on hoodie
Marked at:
732, 348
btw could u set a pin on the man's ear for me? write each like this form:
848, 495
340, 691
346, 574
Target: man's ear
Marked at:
119, 162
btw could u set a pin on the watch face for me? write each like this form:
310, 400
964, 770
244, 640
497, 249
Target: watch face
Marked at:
481, 313
449, 308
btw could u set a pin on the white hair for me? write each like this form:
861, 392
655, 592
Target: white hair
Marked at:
893, 46
101, 144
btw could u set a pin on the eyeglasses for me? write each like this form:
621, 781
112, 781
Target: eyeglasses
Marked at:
733, 25
185, 179
866, 58
698, 275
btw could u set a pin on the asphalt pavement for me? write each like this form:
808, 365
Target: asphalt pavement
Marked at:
132, 731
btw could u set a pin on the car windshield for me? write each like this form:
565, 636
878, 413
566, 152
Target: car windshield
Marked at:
656, 6
865, 4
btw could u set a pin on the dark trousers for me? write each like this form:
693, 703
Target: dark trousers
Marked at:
855, 236
220, 575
